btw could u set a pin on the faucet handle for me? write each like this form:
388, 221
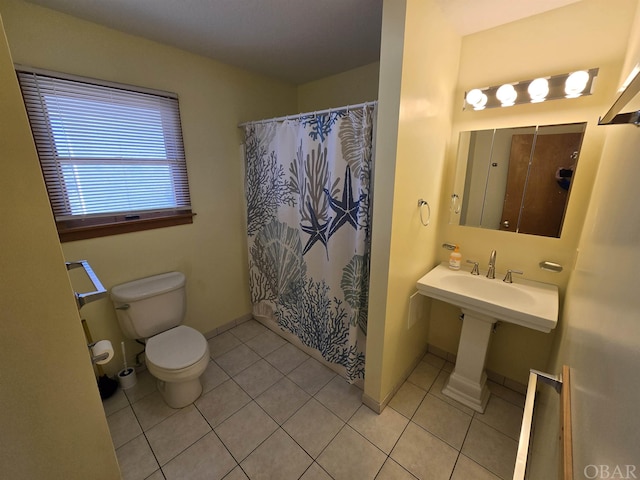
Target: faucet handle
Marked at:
507, 277
474, 270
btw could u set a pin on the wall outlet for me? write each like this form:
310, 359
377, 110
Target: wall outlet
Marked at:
416, 309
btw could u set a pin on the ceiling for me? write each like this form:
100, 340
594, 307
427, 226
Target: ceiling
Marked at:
293, 40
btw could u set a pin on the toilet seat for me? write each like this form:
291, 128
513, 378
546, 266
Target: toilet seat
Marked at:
176, 349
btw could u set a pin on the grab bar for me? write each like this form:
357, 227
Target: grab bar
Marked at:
84, 298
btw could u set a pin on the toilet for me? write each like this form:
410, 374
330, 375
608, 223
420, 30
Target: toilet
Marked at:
152, 309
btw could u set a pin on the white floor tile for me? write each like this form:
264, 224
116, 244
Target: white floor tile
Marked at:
351, 456
315, 472
236, 474
207, 459
177, 433
391, 470
490, 448
257, 378
123, 426
424, 375
423, 454
151, 410
286, 358
382, 430
311, 376
265, 343
245, 430
212, 377
136, 459
247, 330
340, 397
222, 402
289, 463
407, 399
443, 420
282, 400
467, 469
237, 359
223, 343
503, 416
145, 384
313, 427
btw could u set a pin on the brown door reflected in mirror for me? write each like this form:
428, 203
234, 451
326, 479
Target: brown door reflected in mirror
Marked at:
538, 182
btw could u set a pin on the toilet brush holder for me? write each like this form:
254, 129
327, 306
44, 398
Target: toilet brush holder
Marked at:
127, 378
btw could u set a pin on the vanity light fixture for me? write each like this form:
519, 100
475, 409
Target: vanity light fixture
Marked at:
568, 85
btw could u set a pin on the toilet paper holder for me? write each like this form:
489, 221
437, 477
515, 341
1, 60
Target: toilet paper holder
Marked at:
97, 358
103, 357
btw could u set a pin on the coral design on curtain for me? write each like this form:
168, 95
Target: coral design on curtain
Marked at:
308, 188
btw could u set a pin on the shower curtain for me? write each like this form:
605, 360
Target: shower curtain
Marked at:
308, 191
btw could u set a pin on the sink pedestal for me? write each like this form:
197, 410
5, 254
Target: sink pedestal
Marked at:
467, 383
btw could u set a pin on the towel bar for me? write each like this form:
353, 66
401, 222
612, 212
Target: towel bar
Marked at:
562, 386
84, 298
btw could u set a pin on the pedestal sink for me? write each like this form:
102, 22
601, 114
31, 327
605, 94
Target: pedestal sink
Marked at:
483, 302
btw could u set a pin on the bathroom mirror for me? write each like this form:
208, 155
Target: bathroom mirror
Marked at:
516, 179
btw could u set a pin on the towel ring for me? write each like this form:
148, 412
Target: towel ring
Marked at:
422, 203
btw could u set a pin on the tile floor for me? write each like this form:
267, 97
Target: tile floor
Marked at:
269, 411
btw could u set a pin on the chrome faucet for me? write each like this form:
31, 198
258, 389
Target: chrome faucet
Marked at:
492, 265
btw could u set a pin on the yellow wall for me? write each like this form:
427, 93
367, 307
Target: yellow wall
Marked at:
214, 98
418, 67
348, 88
555, 42
51, 417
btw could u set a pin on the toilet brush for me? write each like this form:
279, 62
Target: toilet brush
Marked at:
127, 375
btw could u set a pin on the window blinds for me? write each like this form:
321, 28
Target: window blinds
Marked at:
106, 150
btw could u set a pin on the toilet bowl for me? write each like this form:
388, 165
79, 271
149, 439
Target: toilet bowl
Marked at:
177, 358
152, 309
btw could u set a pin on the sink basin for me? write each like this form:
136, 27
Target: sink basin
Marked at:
527, 303
484, 301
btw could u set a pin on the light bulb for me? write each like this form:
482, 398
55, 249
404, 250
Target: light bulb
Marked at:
538, 90
476, 99
576, 83
507, 95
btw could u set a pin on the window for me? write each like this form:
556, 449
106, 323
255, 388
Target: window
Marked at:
112, 157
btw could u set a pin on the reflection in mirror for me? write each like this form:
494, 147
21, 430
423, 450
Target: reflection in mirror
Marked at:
516, 179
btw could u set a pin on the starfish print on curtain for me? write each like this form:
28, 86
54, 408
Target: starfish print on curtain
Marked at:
346, 209
316, 230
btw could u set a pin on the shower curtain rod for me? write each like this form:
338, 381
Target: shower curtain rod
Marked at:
308, 114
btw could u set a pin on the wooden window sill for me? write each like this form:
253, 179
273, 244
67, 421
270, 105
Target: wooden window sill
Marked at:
72, 230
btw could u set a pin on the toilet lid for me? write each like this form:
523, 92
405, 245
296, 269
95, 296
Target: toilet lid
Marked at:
177, 348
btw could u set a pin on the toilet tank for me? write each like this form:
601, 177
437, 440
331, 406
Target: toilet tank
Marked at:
150, 305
